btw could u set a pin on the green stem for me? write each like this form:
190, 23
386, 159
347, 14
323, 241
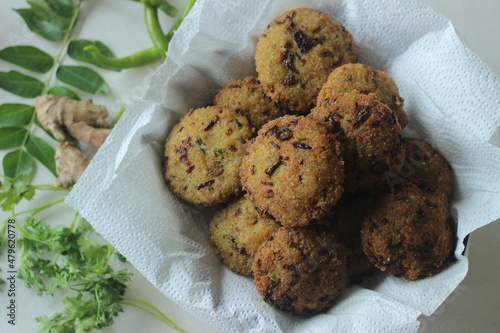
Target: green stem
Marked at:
64, 43
155, 312
56, 64
38, 209
46, 187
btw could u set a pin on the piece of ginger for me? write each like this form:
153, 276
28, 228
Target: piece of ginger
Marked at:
82, 120
70, 164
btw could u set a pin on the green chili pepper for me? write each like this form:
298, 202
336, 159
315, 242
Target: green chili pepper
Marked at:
138, 59
154, 29
147, 56
162, 5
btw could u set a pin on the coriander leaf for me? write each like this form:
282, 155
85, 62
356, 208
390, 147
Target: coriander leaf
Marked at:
12, 137
83, 78
75, 51
15, 114
17, 163
40, 25
42, 151
28, 57
14, 190
20, 84
63, 91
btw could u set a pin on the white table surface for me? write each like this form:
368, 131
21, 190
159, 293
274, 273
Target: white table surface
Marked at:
473, 307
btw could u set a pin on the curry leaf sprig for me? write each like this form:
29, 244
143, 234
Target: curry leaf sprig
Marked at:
65, 258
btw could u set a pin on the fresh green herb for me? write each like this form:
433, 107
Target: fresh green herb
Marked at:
202, 147
65, 257
28, 57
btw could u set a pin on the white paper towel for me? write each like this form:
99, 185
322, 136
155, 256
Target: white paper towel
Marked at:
452, 99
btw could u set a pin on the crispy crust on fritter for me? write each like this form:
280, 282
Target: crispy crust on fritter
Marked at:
301, 270
203, 154
248, 98
237, 231
409, 232
296, 53
366, 80
293, 170
425, 161
370, 134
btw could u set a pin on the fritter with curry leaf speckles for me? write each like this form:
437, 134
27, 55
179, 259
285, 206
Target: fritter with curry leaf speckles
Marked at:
203, 154
237, 231
409, 232
428, 163
370, 134
366, 80
301, 270
248, 98
295, 54
293, 171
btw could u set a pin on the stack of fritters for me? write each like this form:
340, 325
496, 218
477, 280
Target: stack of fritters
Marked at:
318, 184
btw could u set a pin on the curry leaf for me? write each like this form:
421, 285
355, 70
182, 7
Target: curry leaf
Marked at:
15, 114
12, 137
17, 163
45, 11
20, 84
83, 78
42, 151
28, 57
40, 25
63, 91
64, 8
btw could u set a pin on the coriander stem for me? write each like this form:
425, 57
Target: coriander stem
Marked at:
73, 222
40, 208
165, 319
155, 312
47, 187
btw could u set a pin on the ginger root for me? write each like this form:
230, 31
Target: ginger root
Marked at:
82, 120
70, 164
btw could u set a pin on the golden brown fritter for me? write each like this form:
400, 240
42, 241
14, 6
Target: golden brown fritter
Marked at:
237, 231
296, 53
425, 161
293, 170
344, 222
301, 270
370, 134
366, 80
248, 98
409, 232
203, 154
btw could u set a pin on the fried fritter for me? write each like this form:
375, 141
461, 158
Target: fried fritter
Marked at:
293, 170
409, 232
203, 154
296, 53
427, 162
370, 134
301, 270
248, 98
237, 231
366, 80
344, 222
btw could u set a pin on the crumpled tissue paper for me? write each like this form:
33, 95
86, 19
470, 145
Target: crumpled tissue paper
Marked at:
452, 99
